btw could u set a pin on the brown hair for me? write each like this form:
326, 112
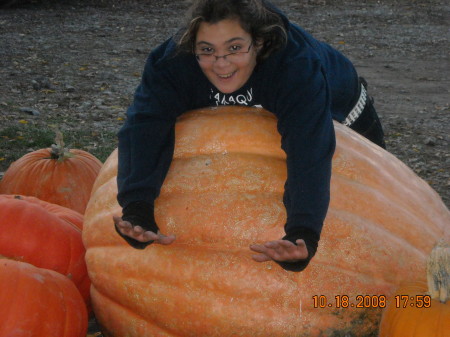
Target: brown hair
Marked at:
256, 18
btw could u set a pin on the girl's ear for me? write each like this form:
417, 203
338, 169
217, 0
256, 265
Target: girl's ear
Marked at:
259, 44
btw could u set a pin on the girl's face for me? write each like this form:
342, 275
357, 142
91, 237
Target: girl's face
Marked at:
225, 37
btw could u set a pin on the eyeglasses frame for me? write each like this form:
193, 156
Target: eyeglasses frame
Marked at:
217, 57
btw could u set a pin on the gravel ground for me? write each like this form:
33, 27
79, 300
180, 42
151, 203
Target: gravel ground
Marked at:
76, 64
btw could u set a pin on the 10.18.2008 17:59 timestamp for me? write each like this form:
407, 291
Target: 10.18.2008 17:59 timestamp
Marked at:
371, 301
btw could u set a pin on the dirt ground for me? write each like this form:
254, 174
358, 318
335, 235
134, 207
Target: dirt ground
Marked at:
77, 63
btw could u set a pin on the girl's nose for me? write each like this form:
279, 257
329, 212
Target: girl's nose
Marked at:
221, 61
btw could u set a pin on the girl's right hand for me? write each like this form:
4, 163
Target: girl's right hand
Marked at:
139, 234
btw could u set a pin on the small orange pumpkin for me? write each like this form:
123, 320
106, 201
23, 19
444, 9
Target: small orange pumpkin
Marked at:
57, 175
421, 309
223, 192
45, 235
39, 302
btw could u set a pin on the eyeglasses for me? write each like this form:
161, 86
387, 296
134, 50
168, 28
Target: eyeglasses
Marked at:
230, 57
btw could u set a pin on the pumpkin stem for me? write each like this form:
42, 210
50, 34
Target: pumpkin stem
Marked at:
438, 272
58, 151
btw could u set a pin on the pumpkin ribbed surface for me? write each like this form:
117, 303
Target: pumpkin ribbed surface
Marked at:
66, 181
45, 235
68, 215
224, 192
39, 302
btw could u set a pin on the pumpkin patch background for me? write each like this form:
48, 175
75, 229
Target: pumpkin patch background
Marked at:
75, 64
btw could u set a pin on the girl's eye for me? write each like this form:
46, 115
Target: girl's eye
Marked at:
235, 48
207, 50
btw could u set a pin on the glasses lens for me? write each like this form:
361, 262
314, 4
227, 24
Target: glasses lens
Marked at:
235, 56
211, 58
205, 58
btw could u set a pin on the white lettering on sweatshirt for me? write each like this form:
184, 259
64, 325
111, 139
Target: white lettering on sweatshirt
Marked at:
245, 98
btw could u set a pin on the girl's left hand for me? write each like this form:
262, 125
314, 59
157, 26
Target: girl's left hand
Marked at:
280, 250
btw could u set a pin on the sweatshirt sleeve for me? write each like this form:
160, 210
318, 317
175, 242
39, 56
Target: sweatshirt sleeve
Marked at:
146, 140
307, 131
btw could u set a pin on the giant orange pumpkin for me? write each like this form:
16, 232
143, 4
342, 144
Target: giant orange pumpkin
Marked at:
55, 174
224, 192
39, 303
45, 235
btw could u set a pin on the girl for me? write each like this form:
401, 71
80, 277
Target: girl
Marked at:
243, 52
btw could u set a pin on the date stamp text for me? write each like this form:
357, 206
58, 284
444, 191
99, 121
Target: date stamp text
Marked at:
371, 301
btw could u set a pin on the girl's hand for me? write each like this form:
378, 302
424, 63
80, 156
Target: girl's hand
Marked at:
280, 250
139, 234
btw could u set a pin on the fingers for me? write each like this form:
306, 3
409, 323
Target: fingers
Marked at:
149, 236
264, 254
300, 243
138, 230
165, 240
261, 258
279, 245
280, 250
258, 248
120, 223
158, 238
138, 233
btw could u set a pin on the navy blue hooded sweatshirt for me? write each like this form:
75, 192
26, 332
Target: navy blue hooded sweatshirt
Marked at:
306, 84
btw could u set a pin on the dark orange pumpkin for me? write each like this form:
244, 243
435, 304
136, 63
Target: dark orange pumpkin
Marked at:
39, 302
70, 216
224, 192
45, 235
418, 309
56, 175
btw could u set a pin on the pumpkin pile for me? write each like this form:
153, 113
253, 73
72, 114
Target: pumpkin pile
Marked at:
42, 269
43, 274
224, 192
